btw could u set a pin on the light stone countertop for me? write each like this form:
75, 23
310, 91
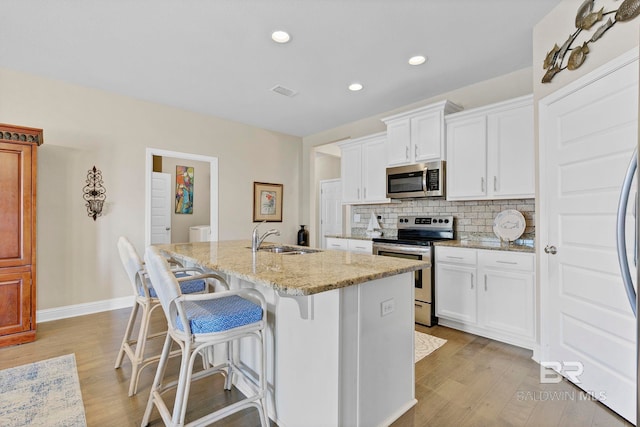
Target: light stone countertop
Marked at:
348, 236
305, 274
495, 245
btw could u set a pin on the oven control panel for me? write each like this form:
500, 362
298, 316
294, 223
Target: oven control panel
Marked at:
433, 222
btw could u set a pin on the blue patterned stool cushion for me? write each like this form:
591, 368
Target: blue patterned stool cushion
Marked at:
220, 314
186, 287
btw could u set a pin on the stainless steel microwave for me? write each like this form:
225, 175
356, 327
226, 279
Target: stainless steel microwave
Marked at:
416, 181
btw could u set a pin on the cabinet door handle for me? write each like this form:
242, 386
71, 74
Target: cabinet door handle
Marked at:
471, 280
482, 184
365, 192
454, 257
485, 282
495, 183
550, 250
406, 152
358, 194
506, 262
415, 151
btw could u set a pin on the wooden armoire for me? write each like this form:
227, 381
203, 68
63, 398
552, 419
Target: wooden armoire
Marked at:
18, 161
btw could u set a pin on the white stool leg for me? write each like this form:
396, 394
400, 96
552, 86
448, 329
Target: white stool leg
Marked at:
140, 345
228, 382
127, 334
264, 417
184, 383
157, 381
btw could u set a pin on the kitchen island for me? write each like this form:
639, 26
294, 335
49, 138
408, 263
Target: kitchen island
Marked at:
340, 339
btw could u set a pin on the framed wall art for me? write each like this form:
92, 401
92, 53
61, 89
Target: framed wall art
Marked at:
184, 189
267, 202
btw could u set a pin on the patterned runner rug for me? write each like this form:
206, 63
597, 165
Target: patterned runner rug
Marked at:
45, 393
426, 344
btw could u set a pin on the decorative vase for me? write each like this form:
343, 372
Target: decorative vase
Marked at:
303, 236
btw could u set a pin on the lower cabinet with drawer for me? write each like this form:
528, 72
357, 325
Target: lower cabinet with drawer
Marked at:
353, 245
487, 292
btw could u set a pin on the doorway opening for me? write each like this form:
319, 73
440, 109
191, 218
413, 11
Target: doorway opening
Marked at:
213, 196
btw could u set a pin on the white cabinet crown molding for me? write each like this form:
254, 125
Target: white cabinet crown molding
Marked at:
446, 106
491, 108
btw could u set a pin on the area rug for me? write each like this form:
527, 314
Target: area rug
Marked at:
426, 344
45, 393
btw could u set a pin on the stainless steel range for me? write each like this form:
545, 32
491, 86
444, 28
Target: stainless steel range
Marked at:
416, 235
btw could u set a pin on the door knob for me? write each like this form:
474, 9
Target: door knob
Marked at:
168, 228
550, 250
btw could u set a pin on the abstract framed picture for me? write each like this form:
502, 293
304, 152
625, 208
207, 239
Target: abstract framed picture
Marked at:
267, 202
184, 189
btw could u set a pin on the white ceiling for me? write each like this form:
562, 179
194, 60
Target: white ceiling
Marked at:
216, 56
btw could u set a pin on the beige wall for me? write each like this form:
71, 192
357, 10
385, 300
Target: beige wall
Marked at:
487, 92
180, 223
77, 257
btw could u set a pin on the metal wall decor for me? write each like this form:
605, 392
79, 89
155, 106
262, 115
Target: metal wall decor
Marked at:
94, 193
586, 18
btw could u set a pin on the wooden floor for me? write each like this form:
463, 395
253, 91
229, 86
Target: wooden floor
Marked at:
470, 381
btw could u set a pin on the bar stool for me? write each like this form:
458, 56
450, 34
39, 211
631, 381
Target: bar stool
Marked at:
146, 299
198, 323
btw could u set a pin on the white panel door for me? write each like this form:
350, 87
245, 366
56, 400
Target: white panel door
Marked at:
587, 133
160, 208
330, 209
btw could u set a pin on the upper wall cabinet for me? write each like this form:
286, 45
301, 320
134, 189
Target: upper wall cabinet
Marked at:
490, 152
418, 135
363, 165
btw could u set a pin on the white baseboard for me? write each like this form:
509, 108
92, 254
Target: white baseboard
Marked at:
67, 311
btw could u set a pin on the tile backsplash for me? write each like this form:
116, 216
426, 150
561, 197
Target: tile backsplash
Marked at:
473, 219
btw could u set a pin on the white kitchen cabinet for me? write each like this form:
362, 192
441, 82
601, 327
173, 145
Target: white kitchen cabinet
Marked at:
363, 165
337, 244
507, 292
362, 246
456, 299
490, 152
487, 292
353, 245
418, 135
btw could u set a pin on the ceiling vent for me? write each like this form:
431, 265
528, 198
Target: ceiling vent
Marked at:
284, 91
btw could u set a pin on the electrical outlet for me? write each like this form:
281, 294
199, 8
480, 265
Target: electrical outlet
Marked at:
387, 307
356, 217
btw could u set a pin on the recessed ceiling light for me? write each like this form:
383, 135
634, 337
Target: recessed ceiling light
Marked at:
354, 87
280, 36
417, 60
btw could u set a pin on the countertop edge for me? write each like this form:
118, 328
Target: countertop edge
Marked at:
492, 246
290, 291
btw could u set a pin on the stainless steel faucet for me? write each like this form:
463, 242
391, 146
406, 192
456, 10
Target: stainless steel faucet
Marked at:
257, 241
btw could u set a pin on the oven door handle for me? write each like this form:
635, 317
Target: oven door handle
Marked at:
408, 250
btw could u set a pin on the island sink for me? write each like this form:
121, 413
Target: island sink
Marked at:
288, 250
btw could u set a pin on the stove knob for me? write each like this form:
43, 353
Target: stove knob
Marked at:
446, 221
